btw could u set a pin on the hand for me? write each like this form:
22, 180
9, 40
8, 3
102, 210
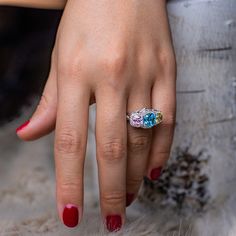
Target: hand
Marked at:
118, 54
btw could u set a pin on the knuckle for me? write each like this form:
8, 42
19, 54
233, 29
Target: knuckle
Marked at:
166, 60
114, 62
113, 150
163, 156
160, 156
72, 66
70, 190
67, 142
134, 182
113, 65
144, 60
44, 103
69, 186
139, 143
113, 198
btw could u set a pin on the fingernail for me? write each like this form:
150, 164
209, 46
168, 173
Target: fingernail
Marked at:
70, 215
129, 198
22, 126
113, 222
155, 173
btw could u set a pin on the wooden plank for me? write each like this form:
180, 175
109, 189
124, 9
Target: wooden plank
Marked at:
204, 35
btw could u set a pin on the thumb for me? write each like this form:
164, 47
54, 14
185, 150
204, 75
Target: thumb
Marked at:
43, 120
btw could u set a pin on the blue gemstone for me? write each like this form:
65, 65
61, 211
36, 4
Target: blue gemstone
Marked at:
149, 120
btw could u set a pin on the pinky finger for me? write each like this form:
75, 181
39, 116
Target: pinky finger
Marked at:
164, 100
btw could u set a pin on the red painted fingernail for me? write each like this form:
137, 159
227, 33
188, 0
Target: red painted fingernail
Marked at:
70, 215
129, 198
113, 222
155, 173
22, 126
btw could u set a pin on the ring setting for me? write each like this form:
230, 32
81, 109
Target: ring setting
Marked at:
145, 118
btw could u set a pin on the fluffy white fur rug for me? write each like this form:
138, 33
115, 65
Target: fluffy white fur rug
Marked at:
27, 198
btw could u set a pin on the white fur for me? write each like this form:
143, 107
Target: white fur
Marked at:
27, 199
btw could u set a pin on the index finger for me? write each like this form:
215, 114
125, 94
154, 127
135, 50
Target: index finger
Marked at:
70, 147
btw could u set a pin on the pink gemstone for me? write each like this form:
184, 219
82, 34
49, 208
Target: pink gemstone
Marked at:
136, 120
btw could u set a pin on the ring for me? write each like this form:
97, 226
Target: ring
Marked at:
145, 118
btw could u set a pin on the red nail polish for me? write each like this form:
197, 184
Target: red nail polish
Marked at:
113, 222
155, 173
70, 215
129, 198
22, 126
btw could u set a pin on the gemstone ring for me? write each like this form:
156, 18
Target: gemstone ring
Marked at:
145, 118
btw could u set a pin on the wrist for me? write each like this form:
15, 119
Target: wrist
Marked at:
49, 4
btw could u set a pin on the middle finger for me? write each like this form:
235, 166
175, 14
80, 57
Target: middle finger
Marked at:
111, 132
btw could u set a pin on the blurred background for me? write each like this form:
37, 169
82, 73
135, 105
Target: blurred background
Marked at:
26, 41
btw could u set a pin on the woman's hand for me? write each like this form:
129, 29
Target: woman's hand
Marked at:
118, 54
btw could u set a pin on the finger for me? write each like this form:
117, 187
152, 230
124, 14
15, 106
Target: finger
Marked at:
43, 120
111, 138
163, 98
139, 141
70, 147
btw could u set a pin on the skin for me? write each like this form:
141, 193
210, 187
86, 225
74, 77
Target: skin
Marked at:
118, 54
48, 4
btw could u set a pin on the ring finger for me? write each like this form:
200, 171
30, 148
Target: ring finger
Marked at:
139, 141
